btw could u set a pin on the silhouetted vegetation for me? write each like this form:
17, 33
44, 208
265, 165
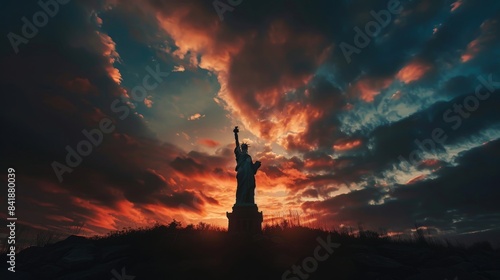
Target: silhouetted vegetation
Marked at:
203, 251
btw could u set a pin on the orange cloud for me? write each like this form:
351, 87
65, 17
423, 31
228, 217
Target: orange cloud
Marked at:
208, 142
416, 179
148, 102
430, 162
472, 50
488, 33
196, 116
368, 88
319, 164
254, 71
349, 145
455, 5
98, 216
109, 51
413, 71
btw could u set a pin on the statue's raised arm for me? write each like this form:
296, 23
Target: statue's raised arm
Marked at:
236, 130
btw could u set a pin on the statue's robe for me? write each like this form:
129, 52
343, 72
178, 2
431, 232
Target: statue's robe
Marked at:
245, 176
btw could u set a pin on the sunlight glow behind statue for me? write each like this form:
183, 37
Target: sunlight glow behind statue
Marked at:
246, 171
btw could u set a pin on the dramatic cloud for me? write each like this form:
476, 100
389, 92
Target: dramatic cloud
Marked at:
208, 142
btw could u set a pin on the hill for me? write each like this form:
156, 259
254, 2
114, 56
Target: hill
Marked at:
293, 253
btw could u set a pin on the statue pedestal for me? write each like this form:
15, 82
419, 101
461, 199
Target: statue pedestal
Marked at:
245, 219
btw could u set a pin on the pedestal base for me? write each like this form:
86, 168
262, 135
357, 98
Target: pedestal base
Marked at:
245, 219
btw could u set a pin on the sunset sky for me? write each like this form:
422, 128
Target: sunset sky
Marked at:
330, 129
